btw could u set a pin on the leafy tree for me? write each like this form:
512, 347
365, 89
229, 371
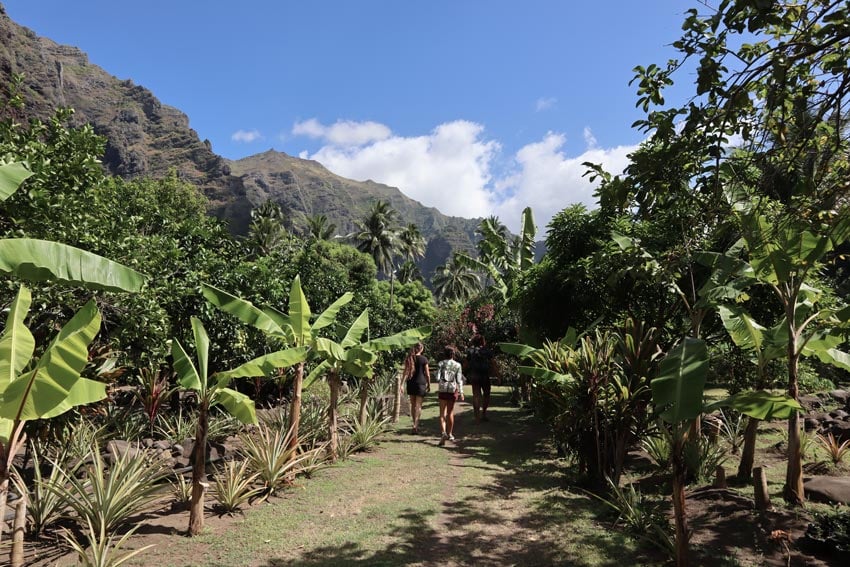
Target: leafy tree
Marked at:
377, 236
409, 272
266, 233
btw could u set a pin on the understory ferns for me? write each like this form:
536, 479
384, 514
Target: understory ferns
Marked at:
101, 549
269, 456
45, 496
107, 498
234, 485
835, 449
641, 517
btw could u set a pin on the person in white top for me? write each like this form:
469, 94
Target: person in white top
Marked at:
449, 390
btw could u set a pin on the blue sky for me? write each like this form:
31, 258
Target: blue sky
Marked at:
477, 107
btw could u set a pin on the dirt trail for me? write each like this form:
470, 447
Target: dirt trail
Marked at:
491, 498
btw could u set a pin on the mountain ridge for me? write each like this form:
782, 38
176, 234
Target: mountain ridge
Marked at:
145, 137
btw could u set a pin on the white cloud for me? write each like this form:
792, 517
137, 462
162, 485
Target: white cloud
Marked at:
545, 103
453, 169
246, 136
548, 180
344, 133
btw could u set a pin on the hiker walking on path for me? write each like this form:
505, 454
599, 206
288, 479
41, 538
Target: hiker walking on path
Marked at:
418, 380
478, 359
450, 389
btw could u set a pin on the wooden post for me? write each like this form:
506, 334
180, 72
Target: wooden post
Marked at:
17, 556
761, 495
720, 477
397, 392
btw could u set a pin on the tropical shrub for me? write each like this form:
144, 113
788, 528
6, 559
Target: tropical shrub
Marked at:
100, 548
105, 499
233, 485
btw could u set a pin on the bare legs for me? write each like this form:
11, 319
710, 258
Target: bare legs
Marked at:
480, 399
447, 419
415, 411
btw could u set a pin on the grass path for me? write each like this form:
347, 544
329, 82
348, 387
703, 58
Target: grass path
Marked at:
491, 498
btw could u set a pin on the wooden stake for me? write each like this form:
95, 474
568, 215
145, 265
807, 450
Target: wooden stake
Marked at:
720, 477
17, 557
761, 495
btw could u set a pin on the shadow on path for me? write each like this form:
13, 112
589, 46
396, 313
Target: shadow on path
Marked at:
489, 524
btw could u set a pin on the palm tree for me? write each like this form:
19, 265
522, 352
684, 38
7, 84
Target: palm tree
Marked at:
411, 242
409, 272
266, 233
319, 228
455, 281
377, 236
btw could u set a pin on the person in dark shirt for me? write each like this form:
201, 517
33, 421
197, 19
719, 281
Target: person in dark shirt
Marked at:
418, 381
478, 358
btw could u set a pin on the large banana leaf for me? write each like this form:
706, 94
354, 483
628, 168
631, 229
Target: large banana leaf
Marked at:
317, 372
264, 365
242, 309
42, 260
16, 342
517, 349
328, 316
760, 404
355, 332
299, 313
543, 374
11, 177
678, 389
330, 350
527, 233
403, 339
744, 330
237, 404
54, 386
187, 374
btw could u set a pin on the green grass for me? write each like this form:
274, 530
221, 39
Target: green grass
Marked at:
492, 497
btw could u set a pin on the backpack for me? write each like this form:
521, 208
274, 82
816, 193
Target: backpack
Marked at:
479, 362
446, 380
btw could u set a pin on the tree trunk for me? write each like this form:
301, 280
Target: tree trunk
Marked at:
295, 407
364, 400
4, 487
333, 447
745, 467
392, 285
397, 391
679, 472
199, 474
17, 556
793, 491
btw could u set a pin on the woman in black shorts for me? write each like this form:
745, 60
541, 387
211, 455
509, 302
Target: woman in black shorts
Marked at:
418, 380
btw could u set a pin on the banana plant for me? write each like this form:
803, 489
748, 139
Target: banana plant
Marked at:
43, 388
293, 329
212, 390
677, 394
784, 255
52, 385
355, 357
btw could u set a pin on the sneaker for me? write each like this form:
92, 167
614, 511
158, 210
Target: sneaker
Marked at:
451, 437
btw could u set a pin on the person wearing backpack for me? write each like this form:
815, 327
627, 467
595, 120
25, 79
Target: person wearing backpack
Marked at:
478, 360
449, 390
